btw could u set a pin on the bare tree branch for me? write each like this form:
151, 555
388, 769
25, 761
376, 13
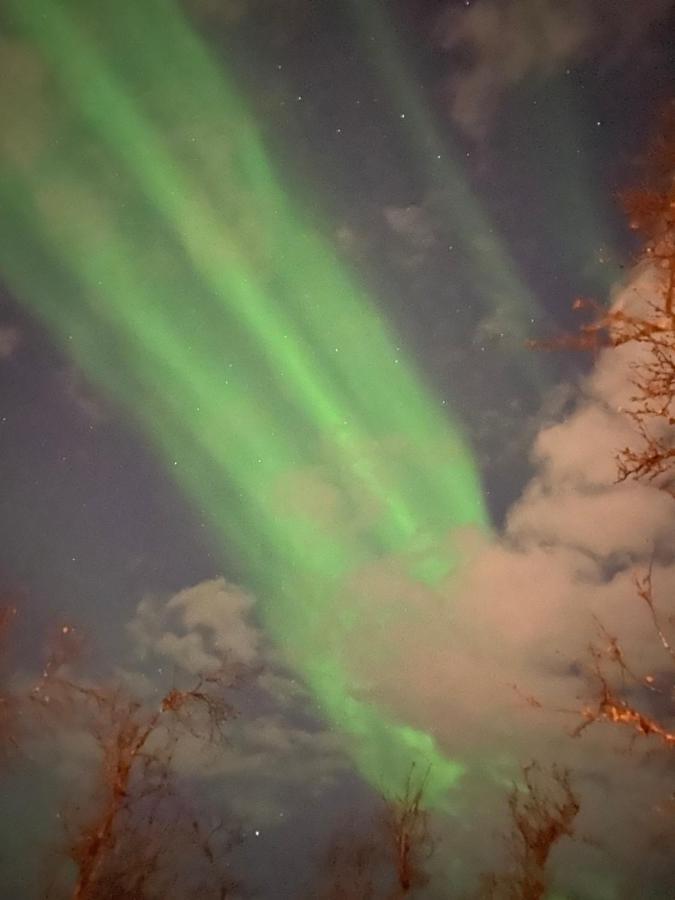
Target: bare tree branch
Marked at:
541, 816
139, 838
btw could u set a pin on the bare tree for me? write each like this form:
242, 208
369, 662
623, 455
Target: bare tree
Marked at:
620, 693
616, 682
650, 208
353, 869
8, 702
137, 836
388, 862
411, 843
541, 817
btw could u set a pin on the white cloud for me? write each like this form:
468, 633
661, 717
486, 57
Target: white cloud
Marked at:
520, 610
273, 748
623, 519
200, 628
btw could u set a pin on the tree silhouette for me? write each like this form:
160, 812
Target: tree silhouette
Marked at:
8, 701
541, 816
614, 679
136, 836
389, 861
648, 332
650, 328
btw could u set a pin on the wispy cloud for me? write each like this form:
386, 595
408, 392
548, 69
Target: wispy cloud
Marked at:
10, 339
496, 44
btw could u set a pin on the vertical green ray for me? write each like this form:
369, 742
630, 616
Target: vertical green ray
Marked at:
201, 299
498, 283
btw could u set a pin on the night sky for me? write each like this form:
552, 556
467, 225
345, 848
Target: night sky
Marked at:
443, 185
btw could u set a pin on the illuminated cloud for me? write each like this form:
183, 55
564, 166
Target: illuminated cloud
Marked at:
267, 760
523, 603
500, 43
444, 657
274, 747
200, 628
519, 610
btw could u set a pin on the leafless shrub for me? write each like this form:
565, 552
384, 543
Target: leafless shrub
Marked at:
541, 814
137, 836
8, 701
389, 861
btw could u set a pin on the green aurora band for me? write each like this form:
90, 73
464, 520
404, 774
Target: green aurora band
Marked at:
141, 222
496, 280
497, 283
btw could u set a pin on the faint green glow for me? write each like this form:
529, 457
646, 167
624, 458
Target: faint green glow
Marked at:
148, 231
496, 281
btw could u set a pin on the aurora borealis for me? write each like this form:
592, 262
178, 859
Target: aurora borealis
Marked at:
268, 274
188, 286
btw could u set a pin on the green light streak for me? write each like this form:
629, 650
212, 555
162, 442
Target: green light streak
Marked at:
497, 281
173, 269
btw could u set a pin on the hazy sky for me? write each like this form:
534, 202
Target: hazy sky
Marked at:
459, 161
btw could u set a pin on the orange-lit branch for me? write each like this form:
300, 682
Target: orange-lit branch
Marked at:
133, 820
540, 818
411, 841
610, 707
651, 211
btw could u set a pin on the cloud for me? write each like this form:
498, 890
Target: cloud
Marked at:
275, 749
83, 396
200, 628
412, 223
519, 610
271, 759
10, 338
567, 549
499, 43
